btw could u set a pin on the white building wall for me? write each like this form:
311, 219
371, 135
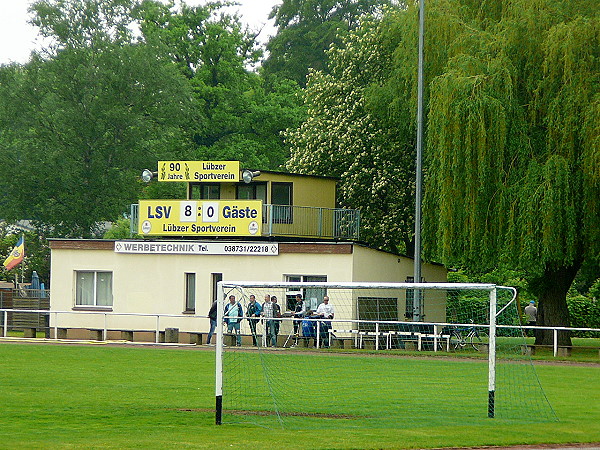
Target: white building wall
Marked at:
154, 284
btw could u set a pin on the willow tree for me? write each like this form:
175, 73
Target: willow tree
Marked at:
513, 146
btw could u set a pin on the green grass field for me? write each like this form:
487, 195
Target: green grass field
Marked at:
140, 397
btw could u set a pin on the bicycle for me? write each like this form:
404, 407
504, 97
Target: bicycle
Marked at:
461, 337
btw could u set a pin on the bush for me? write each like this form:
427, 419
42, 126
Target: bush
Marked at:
584, 312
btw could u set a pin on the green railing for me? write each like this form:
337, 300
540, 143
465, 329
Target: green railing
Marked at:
299, 221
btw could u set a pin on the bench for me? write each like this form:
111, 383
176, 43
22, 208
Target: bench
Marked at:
127, 335
96, 334
340, 338
435, 338
196, 337
29, 332
562, 350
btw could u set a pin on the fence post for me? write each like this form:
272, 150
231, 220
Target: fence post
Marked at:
104, 330
318, 337
157, 338
5, 323
56, 325
555, 341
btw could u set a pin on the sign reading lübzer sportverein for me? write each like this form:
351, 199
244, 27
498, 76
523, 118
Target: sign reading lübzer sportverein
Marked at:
199, 171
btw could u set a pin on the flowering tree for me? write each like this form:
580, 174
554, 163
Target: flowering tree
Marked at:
341, 137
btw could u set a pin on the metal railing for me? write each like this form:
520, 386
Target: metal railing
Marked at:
297, 221
422, 330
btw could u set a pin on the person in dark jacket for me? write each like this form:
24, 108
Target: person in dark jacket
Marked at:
253, 313
212, 315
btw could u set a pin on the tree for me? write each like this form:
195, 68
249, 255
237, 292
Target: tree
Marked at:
306, 29
90, 115
513, 156
345, 136
235, 116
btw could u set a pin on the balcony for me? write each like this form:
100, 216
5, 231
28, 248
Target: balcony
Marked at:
299, 222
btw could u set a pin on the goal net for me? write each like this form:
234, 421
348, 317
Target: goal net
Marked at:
329, 355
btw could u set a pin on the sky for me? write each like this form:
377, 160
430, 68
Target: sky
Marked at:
18, 38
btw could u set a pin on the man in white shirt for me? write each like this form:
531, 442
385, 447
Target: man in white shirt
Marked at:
268, 313
325, 311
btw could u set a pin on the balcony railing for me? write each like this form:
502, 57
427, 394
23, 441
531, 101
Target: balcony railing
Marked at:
299, 221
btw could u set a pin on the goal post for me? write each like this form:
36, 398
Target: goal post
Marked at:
367, 363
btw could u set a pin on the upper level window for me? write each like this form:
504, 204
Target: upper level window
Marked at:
93, 288
206, 191
281, 198
252, 191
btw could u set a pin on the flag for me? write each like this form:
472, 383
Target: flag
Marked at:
16, 256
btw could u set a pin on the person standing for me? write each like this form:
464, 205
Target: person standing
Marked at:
233, 315
267, 313
531, 313
325, 311
299, 313
275, 323
253, 312
212, 316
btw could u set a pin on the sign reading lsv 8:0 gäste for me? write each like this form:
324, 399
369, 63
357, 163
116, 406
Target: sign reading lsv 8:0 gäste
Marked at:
200, 217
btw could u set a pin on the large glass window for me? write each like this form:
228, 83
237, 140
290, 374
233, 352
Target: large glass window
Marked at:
312, 296
93, 288
190, 292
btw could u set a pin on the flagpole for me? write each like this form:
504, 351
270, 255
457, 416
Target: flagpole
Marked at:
23, 262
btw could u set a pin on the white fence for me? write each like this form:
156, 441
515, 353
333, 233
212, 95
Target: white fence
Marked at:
435, 333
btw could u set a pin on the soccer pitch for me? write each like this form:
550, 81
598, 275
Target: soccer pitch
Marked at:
141, 397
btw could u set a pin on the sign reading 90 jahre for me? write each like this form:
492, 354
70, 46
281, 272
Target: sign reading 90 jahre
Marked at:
200, 217
190, 171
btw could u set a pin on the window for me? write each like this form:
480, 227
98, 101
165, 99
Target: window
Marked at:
190, 292
377, 308
312, 296
253, 191
93, 288
216, 277
410, 300
281, 198
206, 191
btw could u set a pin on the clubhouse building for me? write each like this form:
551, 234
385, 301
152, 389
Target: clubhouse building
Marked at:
233, 225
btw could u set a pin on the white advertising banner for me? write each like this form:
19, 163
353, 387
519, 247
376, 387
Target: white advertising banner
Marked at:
198, 248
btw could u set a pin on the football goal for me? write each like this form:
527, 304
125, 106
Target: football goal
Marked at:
317, 355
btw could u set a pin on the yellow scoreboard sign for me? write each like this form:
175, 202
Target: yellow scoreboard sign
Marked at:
200, 217
199, 171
